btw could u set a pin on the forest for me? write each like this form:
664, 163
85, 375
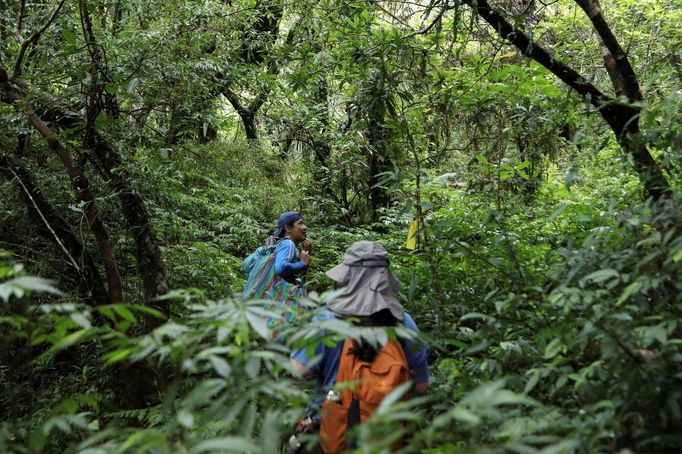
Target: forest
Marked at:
520, 160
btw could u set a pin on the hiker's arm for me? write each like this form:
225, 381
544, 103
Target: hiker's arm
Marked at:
286, 250
308, 363
302, 370
416, 353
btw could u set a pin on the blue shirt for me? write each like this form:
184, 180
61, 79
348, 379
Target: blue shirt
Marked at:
288, 263
329, 357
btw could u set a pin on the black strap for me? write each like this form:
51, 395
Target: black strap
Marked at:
354, 413
353, 420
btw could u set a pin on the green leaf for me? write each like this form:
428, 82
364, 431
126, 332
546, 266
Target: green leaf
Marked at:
570, 445
678, 256
550, 91
111, 89
124, 312
248, 420
269, 436
557, 212
252, 367
132, 85
601, 275
81, 320
532, 381
629, 291
466, 416
147, 310
19, 286
68, 35
118, 355
71, 339
16, 321
258, 325
227, 444
204, 392
221, 366
131, 441
185, 418
473, 316
570, 178
523, 165
94, 425
553, 348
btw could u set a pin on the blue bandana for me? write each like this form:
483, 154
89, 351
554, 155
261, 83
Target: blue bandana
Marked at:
286, 218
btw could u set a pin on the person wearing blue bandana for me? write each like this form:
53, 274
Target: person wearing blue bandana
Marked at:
290, 263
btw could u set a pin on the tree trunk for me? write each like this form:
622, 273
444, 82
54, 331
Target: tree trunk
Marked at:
247, 114
49, 224
249, 120
176, 117
320, 145
148, 253
375, 192
80, 185
266, 27
378, 155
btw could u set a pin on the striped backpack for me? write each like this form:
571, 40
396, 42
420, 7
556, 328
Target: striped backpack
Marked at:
264, 284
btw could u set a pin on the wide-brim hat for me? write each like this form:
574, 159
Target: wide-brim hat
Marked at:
368, 284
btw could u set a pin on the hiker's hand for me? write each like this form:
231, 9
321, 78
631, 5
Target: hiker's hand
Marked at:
305, 257
420, 389
301, 370
307, 246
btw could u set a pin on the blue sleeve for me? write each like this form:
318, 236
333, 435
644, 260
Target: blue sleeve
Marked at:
416, 353
284, 256
309, 358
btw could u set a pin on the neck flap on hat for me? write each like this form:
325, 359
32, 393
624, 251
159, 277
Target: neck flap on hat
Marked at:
368, 288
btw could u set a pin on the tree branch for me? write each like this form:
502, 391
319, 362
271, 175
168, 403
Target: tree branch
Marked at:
622, 117
436, 20
20, 20
24, 43
532, 50
233, 99
10, 166
258, 102
42, 213
616, 61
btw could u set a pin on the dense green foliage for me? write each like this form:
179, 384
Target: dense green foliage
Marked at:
546, 281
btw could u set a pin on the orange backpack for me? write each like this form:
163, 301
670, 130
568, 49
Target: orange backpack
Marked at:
361, 384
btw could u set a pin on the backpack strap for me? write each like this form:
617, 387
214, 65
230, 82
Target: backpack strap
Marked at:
335, 413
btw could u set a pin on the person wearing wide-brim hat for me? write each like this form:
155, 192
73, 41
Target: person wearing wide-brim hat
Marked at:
368, 286
370, 294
